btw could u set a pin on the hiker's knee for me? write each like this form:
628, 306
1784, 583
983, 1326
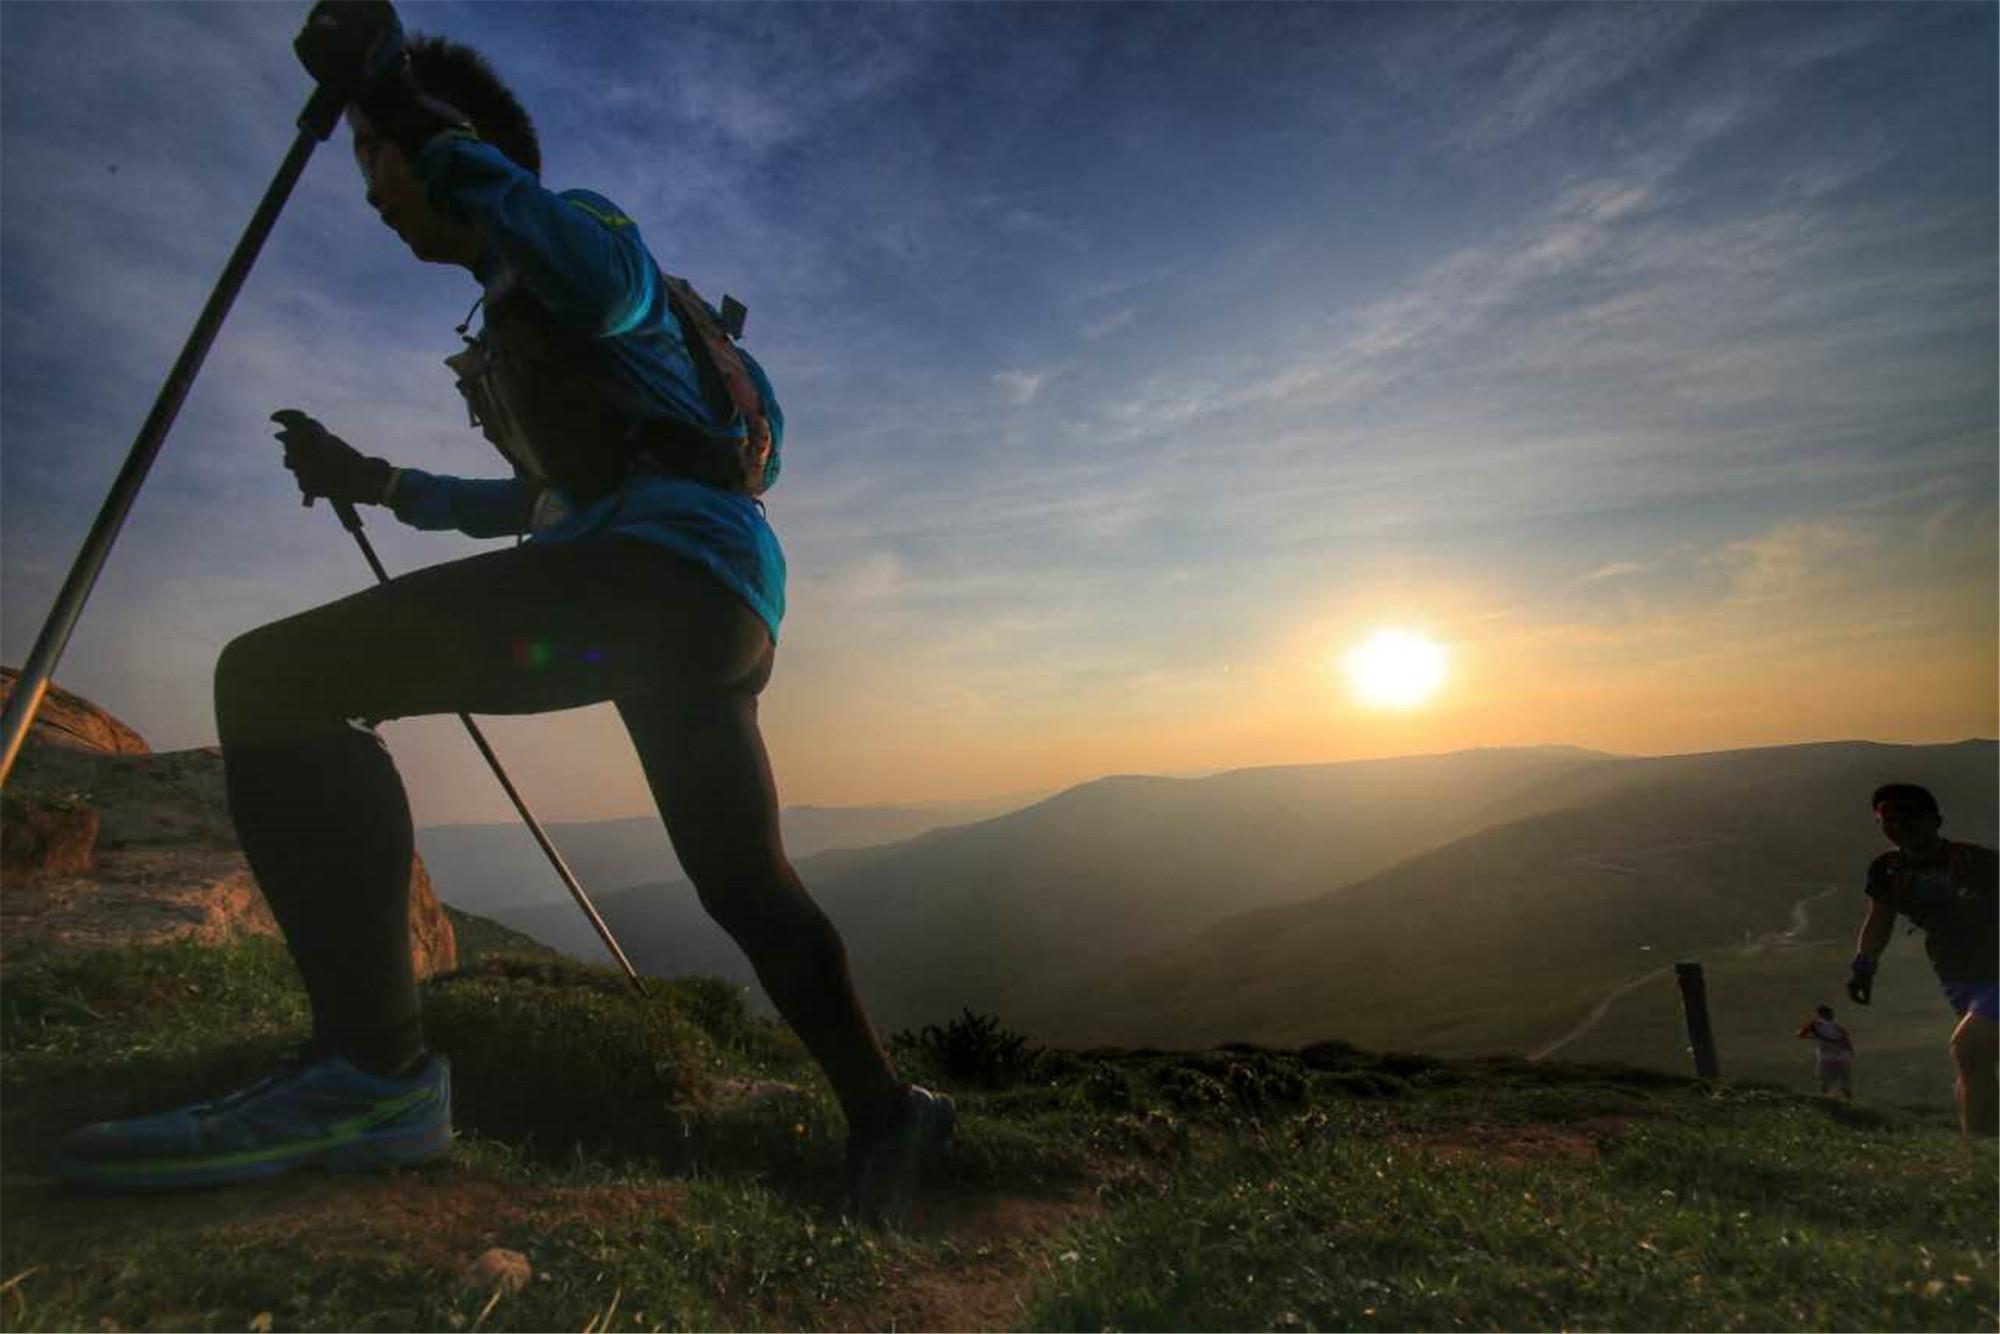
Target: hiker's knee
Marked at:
272, 684
763, 908
735, 864
252, 681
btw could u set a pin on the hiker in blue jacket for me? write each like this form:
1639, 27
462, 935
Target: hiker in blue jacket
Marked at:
648, 576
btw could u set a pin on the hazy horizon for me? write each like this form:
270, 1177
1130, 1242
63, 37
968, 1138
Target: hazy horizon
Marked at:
1140, 362
1023, 798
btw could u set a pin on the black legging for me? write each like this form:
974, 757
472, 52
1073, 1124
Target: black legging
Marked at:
323, 819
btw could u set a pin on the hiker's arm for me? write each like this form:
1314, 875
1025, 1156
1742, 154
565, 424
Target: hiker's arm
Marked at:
1877, 930
477, 507
577, 255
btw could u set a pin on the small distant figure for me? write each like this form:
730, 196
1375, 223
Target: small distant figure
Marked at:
1833, 1060
1951, 891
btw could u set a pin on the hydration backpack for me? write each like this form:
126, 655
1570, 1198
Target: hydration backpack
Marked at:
711, 337
545, 397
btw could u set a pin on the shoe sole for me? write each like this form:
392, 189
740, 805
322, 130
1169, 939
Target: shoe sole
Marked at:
371, 1151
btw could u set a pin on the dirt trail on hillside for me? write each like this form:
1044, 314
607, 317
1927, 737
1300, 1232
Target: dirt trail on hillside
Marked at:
1800, 920
1001, 1240
1598, 1012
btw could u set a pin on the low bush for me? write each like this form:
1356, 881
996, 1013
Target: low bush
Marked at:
974, 1049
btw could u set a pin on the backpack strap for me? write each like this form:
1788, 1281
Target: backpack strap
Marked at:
718, 350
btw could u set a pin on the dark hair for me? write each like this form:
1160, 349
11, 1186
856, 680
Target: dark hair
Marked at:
1825, 1012
455, 73
1917, 796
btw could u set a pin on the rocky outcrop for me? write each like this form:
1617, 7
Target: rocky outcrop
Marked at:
105, 842
73, 722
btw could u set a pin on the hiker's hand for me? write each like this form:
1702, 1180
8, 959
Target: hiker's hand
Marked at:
348, 45
1861, 980
326, 465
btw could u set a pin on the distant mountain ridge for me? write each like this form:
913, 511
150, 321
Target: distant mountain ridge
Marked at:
974, 914
1476, 901
491, 868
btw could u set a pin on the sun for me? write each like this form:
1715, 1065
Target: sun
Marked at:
1396, 669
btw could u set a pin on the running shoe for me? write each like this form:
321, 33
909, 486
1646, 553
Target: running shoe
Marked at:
310, 1113
883, 1174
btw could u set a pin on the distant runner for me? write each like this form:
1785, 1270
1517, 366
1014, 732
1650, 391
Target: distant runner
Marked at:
1833, 1060
1947, 889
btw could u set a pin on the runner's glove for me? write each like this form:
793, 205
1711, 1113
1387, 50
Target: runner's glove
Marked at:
347, 45
1861, 980
356, 47
326, 465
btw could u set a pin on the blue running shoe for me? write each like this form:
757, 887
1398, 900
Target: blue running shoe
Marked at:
883, 1173
321, 1113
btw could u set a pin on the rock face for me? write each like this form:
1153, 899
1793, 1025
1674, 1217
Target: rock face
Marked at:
104, 842
73, 722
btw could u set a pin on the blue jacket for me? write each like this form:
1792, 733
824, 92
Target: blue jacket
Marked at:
584, 261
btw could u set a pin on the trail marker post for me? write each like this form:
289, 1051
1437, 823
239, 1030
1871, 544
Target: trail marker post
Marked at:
1694, 1003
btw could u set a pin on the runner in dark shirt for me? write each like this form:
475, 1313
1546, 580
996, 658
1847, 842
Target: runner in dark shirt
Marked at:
1948, 889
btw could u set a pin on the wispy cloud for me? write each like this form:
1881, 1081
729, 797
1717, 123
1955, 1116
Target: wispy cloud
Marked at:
1020, 387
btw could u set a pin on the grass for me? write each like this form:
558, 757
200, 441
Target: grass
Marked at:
673, 1163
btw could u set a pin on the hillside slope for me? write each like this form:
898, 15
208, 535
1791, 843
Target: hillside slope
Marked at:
497, 868
997, 913
1505, 939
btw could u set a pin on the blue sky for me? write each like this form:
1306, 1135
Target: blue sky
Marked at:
1137, 360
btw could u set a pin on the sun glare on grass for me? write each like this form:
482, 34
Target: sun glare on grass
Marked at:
1396, 669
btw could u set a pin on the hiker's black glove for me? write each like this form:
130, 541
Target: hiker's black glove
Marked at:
347, 45
356, 48
326, 465
1861, 980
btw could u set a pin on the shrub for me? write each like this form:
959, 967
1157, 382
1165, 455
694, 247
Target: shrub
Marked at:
975, 1049
1192, 1091
1361, 1084
1106, 1087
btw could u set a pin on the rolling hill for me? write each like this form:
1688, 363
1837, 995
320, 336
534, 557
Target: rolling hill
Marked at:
992, 913
1508, 939
489, 868
1473, 902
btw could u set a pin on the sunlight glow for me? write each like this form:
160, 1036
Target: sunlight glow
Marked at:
1396, 669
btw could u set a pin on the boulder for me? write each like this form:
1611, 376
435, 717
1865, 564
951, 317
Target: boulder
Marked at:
107, 842
72, 721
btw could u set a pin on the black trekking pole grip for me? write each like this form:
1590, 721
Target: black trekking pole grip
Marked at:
315, 123
350, 519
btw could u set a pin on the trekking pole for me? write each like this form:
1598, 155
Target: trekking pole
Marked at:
315, 124
350, 519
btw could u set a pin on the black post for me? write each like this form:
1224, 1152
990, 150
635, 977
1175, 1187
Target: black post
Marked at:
1701, 1035
316, 122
